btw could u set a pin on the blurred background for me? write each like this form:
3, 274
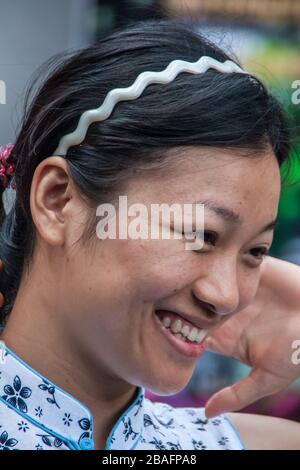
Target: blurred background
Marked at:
264, 34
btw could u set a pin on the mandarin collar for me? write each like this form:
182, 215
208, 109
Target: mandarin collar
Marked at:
62, 417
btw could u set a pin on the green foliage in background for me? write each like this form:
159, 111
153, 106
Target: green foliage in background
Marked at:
281, 67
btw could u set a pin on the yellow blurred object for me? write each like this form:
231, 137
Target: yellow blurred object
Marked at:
283, 11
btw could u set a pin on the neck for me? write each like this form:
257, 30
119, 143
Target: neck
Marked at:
34, 333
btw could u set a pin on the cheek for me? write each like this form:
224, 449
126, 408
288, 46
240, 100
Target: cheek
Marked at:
249, 283
119, 275
155, 268
157, 281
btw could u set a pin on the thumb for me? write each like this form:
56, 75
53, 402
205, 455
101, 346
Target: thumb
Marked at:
256, 385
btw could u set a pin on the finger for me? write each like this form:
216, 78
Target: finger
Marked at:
212, 345
1, 300
256, 385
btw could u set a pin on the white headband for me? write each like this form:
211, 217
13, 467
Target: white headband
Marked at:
134, 91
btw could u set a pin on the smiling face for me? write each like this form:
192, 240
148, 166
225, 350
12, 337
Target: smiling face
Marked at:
114, 286
108, 290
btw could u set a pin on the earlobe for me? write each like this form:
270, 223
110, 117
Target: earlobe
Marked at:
49, 196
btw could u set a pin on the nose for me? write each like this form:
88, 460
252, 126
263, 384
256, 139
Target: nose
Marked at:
219, 290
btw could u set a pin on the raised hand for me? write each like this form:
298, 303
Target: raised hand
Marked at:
261, 336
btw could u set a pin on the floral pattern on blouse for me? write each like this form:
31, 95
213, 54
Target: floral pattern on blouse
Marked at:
35, 414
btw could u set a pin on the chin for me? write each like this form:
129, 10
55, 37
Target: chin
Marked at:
166, 387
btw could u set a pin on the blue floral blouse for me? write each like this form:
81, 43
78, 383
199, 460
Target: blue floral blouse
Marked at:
35, 414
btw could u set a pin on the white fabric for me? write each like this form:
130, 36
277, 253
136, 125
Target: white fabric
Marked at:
36, 414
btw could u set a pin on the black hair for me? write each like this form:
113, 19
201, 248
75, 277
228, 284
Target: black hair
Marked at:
228, 110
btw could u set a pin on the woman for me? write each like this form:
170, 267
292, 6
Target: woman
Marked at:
95, 320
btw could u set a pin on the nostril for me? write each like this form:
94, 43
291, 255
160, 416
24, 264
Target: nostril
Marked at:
209, 308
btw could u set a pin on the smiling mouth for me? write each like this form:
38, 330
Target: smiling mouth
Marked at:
180, 327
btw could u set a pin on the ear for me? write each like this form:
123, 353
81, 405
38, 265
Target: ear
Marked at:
50, 196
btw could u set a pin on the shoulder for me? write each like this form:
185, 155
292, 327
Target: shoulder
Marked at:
260, 432
189, 427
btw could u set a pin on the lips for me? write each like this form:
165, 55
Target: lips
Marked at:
189, 349
186, 319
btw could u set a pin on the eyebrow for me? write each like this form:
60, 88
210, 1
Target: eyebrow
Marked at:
226, 214
230, 216
270, 226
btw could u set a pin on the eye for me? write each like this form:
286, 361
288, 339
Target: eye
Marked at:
210, 237
259, 252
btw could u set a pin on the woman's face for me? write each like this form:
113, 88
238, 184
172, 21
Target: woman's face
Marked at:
111, 288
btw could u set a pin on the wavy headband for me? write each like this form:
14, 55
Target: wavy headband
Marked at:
135, 90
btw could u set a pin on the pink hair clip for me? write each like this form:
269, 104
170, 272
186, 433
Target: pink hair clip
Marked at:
7, 169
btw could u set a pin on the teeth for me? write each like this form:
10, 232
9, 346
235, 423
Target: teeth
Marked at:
179, 336
193, 334
176, 326
184, 332
166, 322
200, 336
